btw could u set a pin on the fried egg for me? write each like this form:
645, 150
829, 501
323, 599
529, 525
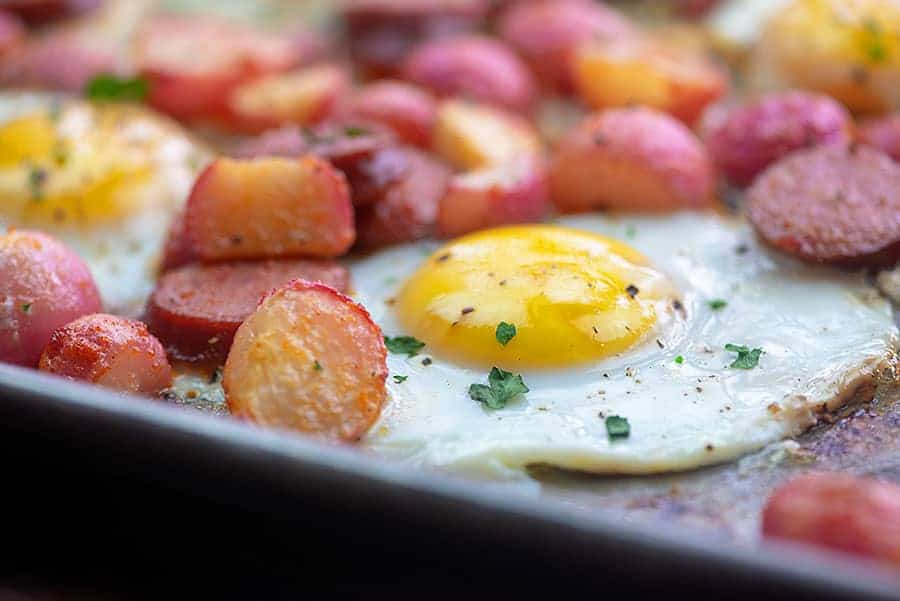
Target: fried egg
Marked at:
628, 317
105, 179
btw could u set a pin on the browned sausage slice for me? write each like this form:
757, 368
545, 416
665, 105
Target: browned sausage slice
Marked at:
832, 204
195, 310
408, 209
311, 360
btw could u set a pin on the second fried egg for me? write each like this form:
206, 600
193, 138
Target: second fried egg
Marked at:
105, 179
733, 347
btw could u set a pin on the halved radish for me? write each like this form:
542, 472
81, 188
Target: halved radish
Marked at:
310, 360
270, 208
110, 351
514, 192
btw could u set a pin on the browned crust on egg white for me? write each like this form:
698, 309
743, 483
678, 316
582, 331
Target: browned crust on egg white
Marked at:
855, 388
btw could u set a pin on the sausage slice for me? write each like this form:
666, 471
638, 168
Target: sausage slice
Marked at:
195, 310
832, 204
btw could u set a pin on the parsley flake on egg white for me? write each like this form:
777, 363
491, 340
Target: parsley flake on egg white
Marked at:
409, 345
746, 358
503, 387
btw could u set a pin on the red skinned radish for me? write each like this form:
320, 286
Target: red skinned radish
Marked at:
109, 351
303, 97
546, 33
648, 71
193, 64
472, 136
43, 286
473, 67
860, 516
631, 160
515, 192
270, 208
405, 108
311, 360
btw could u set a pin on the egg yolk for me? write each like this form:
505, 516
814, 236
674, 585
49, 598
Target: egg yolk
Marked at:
573, 297
74, 167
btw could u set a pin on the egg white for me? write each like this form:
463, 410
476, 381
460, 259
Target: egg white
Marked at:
823, 332
122, 253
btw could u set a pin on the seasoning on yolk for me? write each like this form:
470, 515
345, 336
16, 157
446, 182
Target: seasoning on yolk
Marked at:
50, 176
570, 294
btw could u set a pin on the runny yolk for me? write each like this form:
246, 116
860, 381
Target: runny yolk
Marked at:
47, 176
573, 297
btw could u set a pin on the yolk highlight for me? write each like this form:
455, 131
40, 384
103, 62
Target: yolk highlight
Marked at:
573, 296
47, 176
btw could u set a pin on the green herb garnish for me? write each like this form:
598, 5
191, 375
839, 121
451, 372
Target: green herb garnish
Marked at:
403, 344
505, 332
746, 358
874, 42
617, 427
354, 131
503, 386
37, 177
317, 366
60, 154
400, 379
717, 304
679, 359
112, 88
26, 307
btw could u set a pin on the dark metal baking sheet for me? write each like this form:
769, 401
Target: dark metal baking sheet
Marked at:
169, 492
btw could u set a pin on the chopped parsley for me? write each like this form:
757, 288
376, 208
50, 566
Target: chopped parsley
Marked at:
60, 154
746, 358
26, 307
874, 42
110, 87
400, 379
317, 366
617, 427
503, 386
679, 359
717, 304
403, 344
505, 332
37, 177
354, 131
